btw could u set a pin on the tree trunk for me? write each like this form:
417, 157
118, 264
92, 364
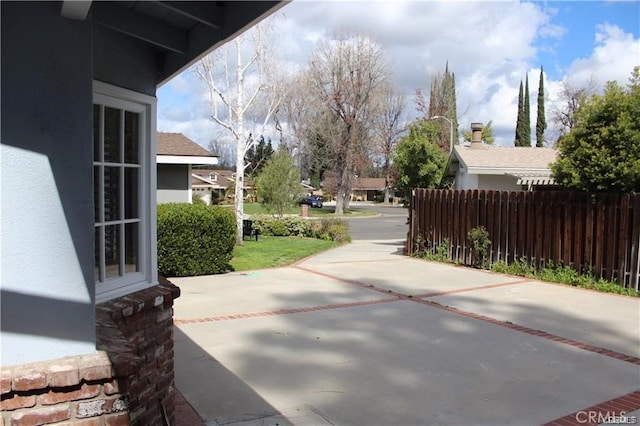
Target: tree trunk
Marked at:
387, 190
339, 205
240, 148
239, 203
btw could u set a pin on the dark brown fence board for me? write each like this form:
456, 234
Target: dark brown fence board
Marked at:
599, 233
635, 244
612, 232
568, 232
575, 229
623, 240
578, 241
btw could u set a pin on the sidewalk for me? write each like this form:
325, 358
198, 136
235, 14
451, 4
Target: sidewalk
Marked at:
361, 335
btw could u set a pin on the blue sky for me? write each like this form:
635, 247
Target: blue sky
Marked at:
490, 46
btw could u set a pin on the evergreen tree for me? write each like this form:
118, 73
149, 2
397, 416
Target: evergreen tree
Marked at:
541, 123
454, 108
526, 116
518, 139
601, 152
442, 102
257, 156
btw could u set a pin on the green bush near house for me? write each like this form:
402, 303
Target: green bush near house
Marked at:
295, 226
194, 239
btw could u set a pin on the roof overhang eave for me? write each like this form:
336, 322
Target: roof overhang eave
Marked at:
194, 160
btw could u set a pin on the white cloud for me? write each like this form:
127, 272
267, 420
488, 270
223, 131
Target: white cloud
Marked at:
490, 46
613, 58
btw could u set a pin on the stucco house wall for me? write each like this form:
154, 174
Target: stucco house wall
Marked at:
174, 183
45, 170
78, 348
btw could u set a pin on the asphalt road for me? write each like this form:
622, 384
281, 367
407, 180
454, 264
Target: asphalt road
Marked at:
391, 224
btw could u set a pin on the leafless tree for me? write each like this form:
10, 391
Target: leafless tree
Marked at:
225, 152
569, 100
346, 73
243, 95
389, 124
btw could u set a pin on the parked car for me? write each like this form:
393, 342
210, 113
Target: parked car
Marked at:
313, 201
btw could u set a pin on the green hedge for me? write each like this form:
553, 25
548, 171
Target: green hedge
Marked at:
295, 226
194, 239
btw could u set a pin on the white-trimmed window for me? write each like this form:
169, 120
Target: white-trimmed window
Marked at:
124, 191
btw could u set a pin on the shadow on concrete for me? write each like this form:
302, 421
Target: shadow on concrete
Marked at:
397, 363
216, 393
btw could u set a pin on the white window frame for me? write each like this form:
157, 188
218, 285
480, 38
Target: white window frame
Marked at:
146, 106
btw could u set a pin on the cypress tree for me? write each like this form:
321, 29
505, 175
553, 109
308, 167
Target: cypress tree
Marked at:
541, 123
526, 116
518, 139
454, 109
442, 102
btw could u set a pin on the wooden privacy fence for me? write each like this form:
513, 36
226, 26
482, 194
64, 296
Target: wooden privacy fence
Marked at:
598, 233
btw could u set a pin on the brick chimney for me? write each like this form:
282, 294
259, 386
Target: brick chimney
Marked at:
476, 136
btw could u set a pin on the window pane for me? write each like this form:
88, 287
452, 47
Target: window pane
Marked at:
112, 251
131, 138
97, 255
96, 133
96, 194
131, 259
131, 185
111, 193
111, 135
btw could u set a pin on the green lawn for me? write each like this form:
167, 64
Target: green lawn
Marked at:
327, 211
270, 252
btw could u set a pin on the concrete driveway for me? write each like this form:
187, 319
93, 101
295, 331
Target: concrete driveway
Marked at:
361, 335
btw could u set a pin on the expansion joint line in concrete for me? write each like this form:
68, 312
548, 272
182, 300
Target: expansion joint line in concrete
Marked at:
282, 311
507, 324
614, 407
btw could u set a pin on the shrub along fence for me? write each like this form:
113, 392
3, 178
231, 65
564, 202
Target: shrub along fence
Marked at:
588, 232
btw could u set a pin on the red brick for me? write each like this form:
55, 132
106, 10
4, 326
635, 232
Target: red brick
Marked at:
29, 376
147, 395
149, 417
115, 404
95, 367
98, 407
84, 392
41, 416
164, 315
5, 381
145, 323
134, 318
63, 372
120, 419
168, 345
17, 401
111, 388
83, 422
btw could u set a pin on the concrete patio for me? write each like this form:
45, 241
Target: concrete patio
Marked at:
361, 335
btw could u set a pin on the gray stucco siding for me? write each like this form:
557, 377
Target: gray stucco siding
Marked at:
47, 287
174, 182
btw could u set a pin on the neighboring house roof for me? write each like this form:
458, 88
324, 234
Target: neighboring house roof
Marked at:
368, 184
176, 148
530, 165
201, 178
503, 160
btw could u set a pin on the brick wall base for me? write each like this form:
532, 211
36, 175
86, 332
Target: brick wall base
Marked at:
129, 381
73, 390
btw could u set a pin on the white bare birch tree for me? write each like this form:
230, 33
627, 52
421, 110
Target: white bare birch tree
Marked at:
243, 94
